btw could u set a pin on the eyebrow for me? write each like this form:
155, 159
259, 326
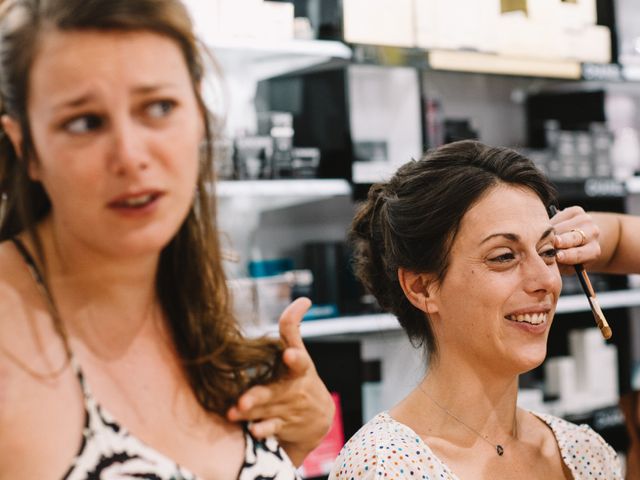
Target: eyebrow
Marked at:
86, 98
516, 238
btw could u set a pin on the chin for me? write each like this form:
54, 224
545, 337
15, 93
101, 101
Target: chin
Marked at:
141, 243
530, 358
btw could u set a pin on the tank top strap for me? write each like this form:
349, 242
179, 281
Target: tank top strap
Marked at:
46, 293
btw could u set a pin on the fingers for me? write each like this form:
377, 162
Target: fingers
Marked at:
266, 428
576, 237
583, 254
249, 403
290, 322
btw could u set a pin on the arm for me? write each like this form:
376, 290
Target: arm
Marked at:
612, 244
297, 409
619, 241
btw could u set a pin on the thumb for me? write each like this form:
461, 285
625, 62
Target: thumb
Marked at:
297, 361
290, 322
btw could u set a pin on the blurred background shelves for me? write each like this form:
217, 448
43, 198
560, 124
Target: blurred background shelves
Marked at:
269, 58
383, 322
300, 188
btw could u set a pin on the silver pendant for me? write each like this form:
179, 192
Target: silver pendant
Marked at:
500, 450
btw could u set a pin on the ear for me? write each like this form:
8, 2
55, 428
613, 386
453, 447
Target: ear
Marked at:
419, 289
14, 132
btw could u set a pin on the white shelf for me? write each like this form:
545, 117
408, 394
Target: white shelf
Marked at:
477, 62
283, 188
269, 58
607, 300
258, 50
364, 324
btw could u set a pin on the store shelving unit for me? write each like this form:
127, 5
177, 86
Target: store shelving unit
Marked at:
377, 323
633, 185
262, 59
301, 188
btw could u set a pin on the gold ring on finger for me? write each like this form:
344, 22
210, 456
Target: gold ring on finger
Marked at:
583, 236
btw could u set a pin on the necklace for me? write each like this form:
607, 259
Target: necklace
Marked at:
499, 448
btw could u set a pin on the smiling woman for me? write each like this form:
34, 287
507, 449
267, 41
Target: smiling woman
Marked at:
119, 355
459, 246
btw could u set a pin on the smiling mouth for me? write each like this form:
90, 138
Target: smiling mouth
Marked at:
530, 318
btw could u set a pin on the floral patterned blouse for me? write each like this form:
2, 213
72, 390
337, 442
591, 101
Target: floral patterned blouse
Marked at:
385, 449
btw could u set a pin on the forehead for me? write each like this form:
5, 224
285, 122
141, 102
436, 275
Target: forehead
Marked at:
506, 209
69, 61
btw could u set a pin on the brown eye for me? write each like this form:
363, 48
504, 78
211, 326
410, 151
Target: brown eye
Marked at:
84, 124
504, 258
161, 108
549, 253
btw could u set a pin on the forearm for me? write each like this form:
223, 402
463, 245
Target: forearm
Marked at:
619, 242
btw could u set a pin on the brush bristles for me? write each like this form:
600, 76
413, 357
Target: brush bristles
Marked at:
601, 321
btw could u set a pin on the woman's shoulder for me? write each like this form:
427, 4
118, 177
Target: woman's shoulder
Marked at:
15, 292
384, 447
24, 326
583, 450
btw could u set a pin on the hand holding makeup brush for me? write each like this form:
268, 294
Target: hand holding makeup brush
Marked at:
577, 238
599, 317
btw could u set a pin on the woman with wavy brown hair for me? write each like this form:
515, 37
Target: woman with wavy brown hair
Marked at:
460, 247
119, 354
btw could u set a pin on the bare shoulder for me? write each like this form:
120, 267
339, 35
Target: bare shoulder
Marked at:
14, 290
25, 331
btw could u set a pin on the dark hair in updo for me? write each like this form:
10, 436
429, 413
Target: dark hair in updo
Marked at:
412, 220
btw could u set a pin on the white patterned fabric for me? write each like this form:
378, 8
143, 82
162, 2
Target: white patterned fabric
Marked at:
110, 452
385, 448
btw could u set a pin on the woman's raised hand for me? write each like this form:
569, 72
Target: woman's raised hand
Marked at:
297, 409
576, 238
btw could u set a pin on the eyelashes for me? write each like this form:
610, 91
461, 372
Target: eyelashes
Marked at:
505, 258
91, 122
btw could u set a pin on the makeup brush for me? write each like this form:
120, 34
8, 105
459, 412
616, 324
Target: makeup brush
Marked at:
588, 290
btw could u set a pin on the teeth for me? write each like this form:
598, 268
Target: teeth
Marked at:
532, 318
137, 201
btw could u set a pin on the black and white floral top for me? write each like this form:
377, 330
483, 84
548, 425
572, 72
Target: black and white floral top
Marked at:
109, 452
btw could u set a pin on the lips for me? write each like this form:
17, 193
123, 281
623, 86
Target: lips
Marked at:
135, 200
530, 318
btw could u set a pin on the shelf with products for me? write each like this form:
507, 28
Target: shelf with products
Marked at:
633, 185
377, 323
466, 61
591, 187
470, 61
283, 188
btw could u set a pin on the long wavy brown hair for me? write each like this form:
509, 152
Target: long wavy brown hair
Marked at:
219, 362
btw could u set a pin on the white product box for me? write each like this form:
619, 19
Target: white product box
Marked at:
515, 35
563, 14
239, 19
589, 44
206, 18
586, 346
455, 24
379, 22
560, 377
276, 21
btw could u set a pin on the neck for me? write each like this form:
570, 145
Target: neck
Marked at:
462, 404
104, 301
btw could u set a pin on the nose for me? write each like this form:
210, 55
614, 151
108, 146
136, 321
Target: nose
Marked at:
540, 276
128, 154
